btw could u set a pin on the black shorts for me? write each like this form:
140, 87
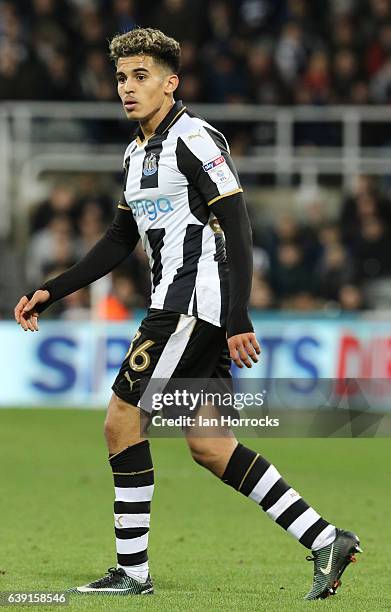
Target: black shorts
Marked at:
172, 345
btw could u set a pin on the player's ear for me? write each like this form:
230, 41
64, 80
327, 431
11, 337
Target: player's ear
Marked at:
172, 82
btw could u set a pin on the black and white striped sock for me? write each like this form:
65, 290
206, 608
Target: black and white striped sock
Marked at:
134, 483
257, 479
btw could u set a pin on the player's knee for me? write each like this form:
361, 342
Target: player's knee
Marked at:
122, 425
114, 420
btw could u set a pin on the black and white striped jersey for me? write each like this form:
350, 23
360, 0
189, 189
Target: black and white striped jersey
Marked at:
171, 179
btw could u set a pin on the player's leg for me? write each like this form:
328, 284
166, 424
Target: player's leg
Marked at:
122, 427
211, 447
155, 351
252, 475
131, 462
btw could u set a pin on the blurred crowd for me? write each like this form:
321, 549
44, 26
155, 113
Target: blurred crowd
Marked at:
62, 229
253, 51
260, 51
328, 264
339, 264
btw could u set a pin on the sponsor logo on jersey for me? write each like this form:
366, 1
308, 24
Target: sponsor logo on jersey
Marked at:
196, 135
150, 164
151, 208
218, 170
213, 163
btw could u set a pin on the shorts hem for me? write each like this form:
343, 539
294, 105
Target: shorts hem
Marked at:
123, 397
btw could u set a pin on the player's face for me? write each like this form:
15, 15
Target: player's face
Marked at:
143, 85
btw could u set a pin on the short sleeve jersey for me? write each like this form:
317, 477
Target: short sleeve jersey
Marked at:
171, 179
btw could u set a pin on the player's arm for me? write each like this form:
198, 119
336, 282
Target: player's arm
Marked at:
115, 245
232, 215
206, 162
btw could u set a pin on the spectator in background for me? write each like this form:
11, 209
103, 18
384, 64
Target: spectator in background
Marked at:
75, 307
339, 8
360, 94
288, 230
240, 142
380, 12
372, 249
11, 29
255, 16
90, 226
14, 63
366, 206
123, 17
364, 201
189, 56
225, 80
220, 24
10, 278
304, 301
118, 304
261, 297
51, 248
96, 79
316, 78
61, 201
343, 34
10, 67
181, 19
287, 46
92, 32
50, 10
61, 81
288, 275
377, 51
351, 298
284, 229
380, 85
49, 31
345, 73
298, 11
89, 187
190, 88
191, 84
290, 53
264, 84
329, 235
333, 271
315, 211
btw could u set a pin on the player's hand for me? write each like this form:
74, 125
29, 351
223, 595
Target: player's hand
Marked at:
25, 312
243, 348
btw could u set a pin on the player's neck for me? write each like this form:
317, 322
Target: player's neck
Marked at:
149, 126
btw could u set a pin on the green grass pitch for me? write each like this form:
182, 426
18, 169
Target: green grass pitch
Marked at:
210, 548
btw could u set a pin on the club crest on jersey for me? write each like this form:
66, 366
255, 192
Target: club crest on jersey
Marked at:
218, 170
150, 164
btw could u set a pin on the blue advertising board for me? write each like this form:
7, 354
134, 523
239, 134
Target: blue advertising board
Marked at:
75, 363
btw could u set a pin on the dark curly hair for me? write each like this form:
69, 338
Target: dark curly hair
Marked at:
147, 41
